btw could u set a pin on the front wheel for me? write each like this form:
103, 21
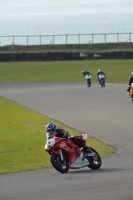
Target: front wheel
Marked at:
95, 161
58, 164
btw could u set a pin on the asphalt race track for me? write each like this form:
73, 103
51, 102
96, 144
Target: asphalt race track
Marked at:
105, 113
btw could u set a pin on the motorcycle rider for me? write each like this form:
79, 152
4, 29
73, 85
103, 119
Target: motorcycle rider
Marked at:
52, 130
100, 72
85, 73
129, 83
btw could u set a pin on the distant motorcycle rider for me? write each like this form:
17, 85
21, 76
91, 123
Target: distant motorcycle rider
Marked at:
52, 130
130, 82
100, 73
85, 73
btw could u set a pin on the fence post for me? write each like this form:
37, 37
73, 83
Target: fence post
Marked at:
118, 37
105, 37
13, 38
40, 40
92, 38
53, 39
79, 38
129, 37
66, 39
27, 40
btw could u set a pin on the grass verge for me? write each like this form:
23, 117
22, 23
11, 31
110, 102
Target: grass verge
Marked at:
22, 139
117, 71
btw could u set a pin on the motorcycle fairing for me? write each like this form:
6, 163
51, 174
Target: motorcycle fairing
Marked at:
79, 162
49, 144
87, 76
67, 146
101, 76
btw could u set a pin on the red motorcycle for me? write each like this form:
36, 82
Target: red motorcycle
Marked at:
66, 155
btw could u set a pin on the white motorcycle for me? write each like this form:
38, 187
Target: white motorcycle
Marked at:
101, 79
88, 78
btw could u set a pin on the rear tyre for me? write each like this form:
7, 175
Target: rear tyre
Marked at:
101, 83
104, 83
88, 83
132, 97
58, 164
95, 161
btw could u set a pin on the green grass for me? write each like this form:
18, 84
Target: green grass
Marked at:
22, 139
117, 71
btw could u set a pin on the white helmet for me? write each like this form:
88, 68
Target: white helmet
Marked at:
99, 70
132, 73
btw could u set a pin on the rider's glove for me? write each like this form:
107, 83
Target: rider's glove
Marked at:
60, 131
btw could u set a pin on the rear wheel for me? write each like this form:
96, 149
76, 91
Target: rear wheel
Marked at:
95, 161
104, 83
58, 164
101, 83
88, 82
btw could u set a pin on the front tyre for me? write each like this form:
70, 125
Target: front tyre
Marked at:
58, 164
95, 161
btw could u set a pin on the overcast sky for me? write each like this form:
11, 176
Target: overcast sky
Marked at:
55, 2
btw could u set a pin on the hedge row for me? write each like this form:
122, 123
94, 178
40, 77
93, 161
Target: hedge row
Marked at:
49, 56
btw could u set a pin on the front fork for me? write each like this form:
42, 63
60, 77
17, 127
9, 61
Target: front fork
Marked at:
61, 155
63, 162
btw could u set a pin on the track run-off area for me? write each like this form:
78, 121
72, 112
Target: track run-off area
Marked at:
104, 113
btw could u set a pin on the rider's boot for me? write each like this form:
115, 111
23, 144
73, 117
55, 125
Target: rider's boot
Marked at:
86, 148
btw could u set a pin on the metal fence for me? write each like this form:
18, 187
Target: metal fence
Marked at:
66, 39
